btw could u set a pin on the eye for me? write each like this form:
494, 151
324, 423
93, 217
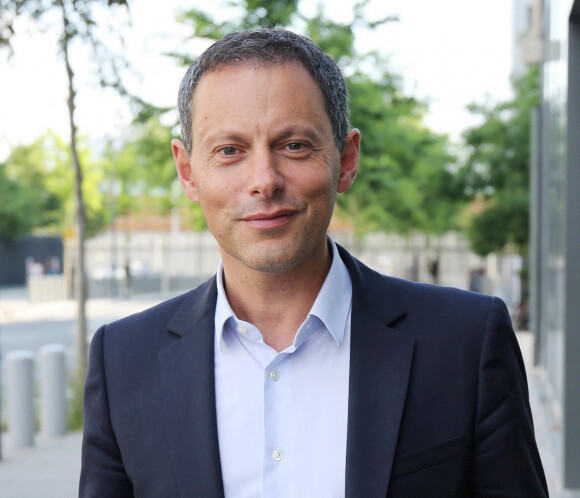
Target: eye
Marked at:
295, 146
229, 151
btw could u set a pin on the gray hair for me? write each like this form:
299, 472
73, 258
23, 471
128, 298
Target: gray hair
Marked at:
268, 47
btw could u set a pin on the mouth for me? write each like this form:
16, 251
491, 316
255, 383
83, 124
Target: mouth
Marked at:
269, 220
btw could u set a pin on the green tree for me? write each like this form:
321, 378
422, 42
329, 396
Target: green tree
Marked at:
21, 207
24, 170
495, 175
153, 155
254, 14
75, 22
404, 182
143, 170
42, 169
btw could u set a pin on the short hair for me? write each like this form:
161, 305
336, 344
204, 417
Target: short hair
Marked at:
268, 47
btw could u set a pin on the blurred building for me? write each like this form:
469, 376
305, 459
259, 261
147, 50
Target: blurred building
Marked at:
553, 40
26, 256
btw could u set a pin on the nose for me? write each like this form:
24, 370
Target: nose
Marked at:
263, 175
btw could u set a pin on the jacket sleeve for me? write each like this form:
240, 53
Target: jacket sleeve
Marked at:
102, 470
506, 461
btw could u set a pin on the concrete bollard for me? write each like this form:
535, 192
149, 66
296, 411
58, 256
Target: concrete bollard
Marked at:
20, 387
52, 364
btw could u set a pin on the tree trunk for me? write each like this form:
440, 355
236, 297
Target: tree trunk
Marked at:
80, 282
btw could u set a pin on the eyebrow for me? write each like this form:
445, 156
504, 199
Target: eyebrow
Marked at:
221, 136
309, 131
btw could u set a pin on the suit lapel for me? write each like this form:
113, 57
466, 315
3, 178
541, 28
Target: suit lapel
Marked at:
380, 366
186, 369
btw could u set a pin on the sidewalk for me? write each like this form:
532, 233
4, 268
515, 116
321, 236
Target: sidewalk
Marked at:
14, 306
48, 470
548, 431
51, 468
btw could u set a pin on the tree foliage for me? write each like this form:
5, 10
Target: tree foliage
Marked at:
142, 168
21, 208
38, 188
253, 14
496, 173
403, 182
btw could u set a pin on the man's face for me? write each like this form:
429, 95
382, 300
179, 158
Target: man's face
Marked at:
264, 166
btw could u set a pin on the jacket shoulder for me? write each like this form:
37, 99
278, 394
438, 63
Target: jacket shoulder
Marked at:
396, 298
155, 321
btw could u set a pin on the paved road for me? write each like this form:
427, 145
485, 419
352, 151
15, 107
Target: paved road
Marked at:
30, 326
33, 335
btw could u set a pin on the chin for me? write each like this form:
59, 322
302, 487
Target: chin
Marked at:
271, 258
272, 264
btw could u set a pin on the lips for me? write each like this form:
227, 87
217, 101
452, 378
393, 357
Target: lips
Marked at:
269, 220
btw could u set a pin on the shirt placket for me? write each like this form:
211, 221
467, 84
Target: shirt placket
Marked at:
277, 437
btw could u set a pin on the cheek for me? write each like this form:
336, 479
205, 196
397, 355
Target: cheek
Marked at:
211, 204
320, 186
216, 196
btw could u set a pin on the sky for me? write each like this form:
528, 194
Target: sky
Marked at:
448, 52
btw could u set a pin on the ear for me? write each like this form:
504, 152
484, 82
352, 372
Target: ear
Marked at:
183, 166
348, 160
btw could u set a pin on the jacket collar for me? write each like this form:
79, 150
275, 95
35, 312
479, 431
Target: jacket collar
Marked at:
198, 303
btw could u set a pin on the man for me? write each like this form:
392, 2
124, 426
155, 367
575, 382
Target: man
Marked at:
297, 371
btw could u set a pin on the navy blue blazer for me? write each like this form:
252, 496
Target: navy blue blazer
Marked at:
438, 398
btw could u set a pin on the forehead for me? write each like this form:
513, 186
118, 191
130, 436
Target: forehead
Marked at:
257, 91
256, 65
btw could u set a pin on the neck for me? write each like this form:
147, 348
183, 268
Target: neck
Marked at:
276, 303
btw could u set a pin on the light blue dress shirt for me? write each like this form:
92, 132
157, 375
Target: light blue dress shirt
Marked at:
282, 417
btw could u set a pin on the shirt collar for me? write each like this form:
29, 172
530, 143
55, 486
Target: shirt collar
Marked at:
331, 306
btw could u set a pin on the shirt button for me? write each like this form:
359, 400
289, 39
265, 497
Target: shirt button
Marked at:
242, 329
274, 375
277, 455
